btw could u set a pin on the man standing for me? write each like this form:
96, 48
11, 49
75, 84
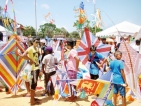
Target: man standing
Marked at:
31, 54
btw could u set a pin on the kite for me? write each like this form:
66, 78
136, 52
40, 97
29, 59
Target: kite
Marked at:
11, 65
82, 17
49, 18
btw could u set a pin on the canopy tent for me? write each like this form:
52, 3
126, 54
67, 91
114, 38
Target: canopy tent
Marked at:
125, 29
138, 36
6, 33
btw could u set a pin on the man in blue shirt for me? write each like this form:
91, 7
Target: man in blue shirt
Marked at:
95, 59
117, 68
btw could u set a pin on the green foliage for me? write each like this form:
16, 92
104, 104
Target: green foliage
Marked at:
47, 30
94, 31
29, 30
74, 34
1, 10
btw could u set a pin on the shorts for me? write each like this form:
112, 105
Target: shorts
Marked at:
94, 77
119, 88
35, 75
72, 74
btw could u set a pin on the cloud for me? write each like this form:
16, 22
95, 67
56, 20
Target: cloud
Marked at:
46, 6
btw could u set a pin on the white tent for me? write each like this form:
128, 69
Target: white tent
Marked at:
5, 32
125, 29
138, 36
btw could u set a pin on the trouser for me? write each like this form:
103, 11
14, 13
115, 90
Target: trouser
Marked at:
94, 77
35, 75
49, 89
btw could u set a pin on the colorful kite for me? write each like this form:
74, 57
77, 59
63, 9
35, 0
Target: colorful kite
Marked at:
49, 18
9, 23
97, 21
132, 67
11, 65
82, 17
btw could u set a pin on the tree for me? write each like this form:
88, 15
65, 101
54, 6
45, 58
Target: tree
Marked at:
92, 29
29, 30
47, 29
74, 34
1, 10
58, 31
64, 32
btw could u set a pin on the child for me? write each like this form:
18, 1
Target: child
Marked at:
49, 68
95, 58
117, 68
72, 66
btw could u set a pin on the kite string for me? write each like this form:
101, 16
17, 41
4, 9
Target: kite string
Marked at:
126, 49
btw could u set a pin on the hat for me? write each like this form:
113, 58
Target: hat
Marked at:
49, 48
43, 41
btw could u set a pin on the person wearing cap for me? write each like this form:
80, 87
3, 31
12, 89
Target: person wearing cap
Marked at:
96, 64
49, 68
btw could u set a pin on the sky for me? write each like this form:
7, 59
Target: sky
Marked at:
62, 11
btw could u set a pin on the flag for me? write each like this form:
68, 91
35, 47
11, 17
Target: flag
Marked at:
132, 69
96, 87
88, 39
6, 3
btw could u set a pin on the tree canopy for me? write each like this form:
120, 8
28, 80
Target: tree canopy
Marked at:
47, 30
29, 30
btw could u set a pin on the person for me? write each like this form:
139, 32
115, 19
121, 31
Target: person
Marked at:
95, 58
60, 46
72, 65
103, 40
31, 54
1, 36
136, 46
54, 44
27, 83
49, 68
118, 78
73, 60
43, 46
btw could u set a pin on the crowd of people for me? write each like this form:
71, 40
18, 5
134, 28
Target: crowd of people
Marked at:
42, 61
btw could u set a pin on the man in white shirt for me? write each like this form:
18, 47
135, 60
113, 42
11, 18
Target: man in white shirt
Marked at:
49, 68
136, 45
